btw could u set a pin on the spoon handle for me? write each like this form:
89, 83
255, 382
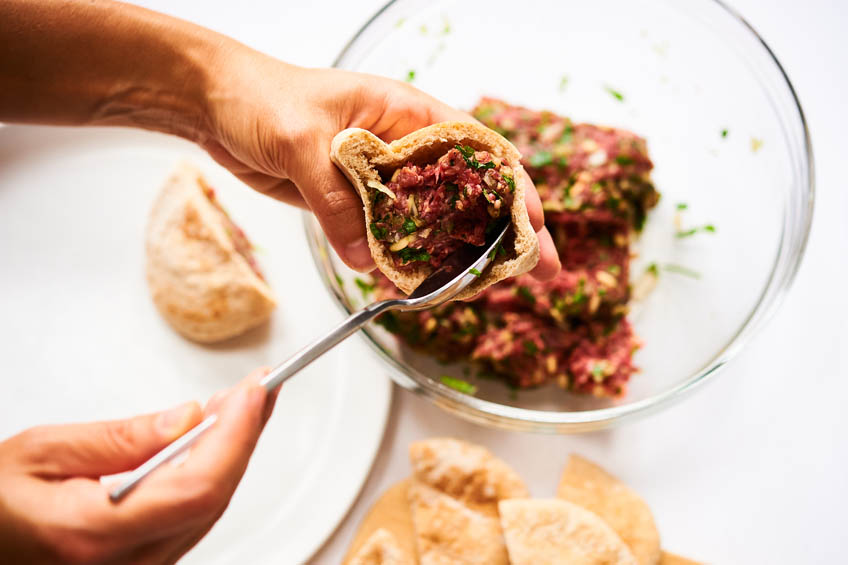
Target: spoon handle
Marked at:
272, 380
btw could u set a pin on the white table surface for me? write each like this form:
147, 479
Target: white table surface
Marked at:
754, 467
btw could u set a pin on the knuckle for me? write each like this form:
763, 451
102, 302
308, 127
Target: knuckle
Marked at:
120, 436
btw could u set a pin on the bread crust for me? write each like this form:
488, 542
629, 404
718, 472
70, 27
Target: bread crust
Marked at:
362, 156
199, 282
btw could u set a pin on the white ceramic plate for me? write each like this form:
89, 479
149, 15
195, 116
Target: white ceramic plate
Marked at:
82, 340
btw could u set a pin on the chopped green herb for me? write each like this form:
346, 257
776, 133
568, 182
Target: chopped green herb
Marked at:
596, 187
653, 269
471, 159
624, 160
614, 269
400, 22
510, 182
562, 163
497, 250
366, 287
408, 254
614, 93
567, 134
563, 82
409, 226
530, 348
379, 233
597, 371
475, 272
446, 27
410, 76
692, 231
681, 270
724, 133
525, 293
459, 385
682, 206
423, 29
541, 158
340, 280
389, 321
613, 203
580, 295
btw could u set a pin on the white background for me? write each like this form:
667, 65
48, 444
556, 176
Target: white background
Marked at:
751, 469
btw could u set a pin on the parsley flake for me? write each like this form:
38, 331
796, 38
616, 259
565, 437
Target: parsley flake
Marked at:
458, 384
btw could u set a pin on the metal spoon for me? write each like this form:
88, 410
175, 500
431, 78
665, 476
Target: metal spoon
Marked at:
458, 271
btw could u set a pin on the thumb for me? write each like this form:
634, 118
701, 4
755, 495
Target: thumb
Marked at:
103, 448
336, 205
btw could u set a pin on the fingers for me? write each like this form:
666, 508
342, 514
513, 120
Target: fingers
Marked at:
336, 205
533, 202
549, 264
103, 448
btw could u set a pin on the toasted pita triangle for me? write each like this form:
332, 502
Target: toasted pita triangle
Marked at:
448, 532
590, 487
391, 514
381, 548
553, 531
672, 559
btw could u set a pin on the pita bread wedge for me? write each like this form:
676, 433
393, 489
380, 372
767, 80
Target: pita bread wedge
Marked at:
367, 162
672, 559
390, 514
381, 548
201, 273
466, 472
589, 486
450, 533
455, 490
552, 532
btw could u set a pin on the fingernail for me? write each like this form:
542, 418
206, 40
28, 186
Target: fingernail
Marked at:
358, 255
174, 421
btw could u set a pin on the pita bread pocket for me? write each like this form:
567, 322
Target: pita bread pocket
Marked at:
589, 486
200, 269
405, 247
391, 515
554, 531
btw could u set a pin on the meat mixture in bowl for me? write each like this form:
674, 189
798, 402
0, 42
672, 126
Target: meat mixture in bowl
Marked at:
596, 190
426, 212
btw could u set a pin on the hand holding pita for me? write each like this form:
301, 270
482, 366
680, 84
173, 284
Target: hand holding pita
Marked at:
54, 508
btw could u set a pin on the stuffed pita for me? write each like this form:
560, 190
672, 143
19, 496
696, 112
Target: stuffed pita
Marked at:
433, 191
201, 271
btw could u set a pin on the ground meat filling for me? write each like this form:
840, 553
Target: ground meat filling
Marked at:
595, 187
426, 212
240, 241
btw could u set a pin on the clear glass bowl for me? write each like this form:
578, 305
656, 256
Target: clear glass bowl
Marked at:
725, 131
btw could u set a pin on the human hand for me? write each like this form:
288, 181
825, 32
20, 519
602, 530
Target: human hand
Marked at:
271, 124
53, 507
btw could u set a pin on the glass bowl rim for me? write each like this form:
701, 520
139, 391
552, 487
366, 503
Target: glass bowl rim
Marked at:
516, 418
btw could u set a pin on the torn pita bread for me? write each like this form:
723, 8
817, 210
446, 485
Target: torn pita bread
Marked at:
466, 472
199, 268
589, 486
450, 533
365, 159
391, 514
455, 490
672, 559
381, 548
549, 532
